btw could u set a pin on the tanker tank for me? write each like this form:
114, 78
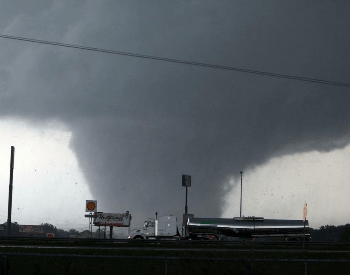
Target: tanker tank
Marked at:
247, 227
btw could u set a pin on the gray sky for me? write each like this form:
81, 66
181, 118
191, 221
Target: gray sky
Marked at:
131, 127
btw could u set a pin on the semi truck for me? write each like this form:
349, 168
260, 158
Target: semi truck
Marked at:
165, 227
247, 228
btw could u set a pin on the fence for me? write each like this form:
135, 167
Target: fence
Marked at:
37, 263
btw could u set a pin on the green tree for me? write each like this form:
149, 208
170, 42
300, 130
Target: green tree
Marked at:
345, 233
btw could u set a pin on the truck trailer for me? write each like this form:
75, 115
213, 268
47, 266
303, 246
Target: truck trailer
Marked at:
247, 228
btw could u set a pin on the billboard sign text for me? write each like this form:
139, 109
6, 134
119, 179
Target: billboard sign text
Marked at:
113, 219
34, 229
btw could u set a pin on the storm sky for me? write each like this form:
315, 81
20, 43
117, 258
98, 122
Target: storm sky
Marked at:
127, 128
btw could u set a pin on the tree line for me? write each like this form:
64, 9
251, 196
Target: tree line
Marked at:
46, 228
331, 233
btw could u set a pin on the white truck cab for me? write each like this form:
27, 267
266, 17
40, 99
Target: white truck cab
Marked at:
158, 228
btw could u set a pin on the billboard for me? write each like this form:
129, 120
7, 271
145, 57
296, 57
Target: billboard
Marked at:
32, 229
112, 219
186, 180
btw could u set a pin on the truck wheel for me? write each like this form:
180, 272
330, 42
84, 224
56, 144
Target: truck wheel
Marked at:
138, 238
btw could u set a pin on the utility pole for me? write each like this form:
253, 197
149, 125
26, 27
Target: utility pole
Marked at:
10, 191
240, 209
186, 181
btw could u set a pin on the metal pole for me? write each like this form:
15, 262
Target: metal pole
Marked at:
111, 232
240, 209
91, 225
186, 207
304, 236
186, 212
10, 191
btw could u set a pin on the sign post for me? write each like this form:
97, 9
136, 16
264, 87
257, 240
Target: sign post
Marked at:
91, 206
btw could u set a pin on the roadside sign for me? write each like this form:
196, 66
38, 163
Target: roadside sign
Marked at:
33, 229
186, 180
91, 206
112, 219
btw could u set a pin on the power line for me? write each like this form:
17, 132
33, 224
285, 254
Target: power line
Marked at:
179, 61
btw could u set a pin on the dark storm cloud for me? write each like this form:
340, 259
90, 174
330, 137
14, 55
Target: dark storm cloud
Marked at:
138, 125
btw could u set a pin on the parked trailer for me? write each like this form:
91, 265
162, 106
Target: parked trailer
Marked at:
247, 227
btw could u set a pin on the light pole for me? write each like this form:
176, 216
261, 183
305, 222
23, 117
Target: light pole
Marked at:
186, 181
240, 209
10, 191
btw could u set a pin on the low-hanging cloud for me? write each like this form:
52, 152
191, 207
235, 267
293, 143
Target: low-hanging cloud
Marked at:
138, 125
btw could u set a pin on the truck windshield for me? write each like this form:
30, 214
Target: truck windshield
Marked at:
148, 224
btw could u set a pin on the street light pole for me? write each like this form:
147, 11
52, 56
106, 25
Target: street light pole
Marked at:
186, 181
240, 209
10, 191
186, 207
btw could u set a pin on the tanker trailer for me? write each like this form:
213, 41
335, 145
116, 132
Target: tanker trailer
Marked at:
247, 227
